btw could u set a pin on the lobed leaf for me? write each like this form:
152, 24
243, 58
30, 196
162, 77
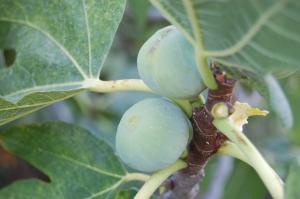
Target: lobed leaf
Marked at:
60, 45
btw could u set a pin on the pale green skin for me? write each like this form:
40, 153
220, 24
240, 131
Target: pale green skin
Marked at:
166, 63
152, 135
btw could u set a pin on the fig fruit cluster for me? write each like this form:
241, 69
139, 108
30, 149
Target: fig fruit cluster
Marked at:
155, 132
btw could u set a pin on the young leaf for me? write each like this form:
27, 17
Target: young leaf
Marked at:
60, 45
292, 186
258, 36
77, 163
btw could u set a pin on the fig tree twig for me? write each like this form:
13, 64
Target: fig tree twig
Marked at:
206, 141
101, 86
266, 173
157, 179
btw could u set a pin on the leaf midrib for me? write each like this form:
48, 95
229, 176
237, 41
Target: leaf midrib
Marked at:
40, 88
36, 104
88, 36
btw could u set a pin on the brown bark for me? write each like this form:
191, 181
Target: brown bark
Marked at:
206, 141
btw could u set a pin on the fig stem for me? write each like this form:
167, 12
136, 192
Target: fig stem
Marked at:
231, 149
204, 70
270, 178
136, 177
201, 59
185, 105
101, 86
158, 178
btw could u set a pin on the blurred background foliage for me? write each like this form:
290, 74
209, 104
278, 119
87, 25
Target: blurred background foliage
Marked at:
100, 113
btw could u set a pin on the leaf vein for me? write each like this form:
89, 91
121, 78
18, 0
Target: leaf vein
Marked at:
262, 20
172, 19
63, 49
270, 54
88, 36
39, 88
81, 164
114, 186
283, 32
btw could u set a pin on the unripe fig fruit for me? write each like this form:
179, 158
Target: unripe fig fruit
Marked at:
152, 135
166, 63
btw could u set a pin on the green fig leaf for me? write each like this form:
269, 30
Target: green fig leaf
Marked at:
253, 35
60, 45
78, 164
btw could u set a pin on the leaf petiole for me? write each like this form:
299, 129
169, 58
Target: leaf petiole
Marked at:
201, 58
157, 179
136, 177
270, 178
185, 105
231, 149
101, 86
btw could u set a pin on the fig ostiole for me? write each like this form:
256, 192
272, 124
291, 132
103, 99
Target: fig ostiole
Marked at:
152, 135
